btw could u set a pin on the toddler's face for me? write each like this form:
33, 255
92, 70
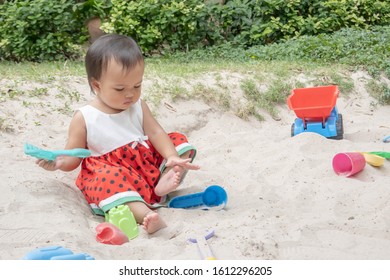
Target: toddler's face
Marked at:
119, 88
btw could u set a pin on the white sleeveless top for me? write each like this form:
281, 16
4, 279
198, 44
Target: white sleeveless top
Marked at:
106, 132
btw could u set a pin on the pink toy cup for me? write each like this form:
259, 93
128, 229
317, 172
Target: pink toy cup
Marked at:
109, 234
348, 164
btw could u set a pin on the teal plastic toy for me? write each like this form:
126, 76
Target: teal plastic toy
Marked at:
34, 151
123, 218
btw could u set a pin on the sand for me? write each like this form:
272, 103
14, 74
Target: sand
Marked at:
285, 202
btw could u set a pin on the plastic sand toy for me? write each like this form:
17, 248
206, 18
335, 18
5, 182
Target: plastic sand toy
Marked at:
213, 197
383, 154
55, 253
123, 218
348, 163
316, 111
108, 233
373, 159
203, 246
34, 151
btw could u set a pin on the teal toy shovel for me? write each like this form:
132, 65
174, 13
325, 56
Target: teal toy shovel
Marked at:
52, 155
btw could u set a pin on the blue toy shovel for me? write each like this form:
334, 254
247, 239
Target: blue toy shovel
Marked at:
55, 253
213, 197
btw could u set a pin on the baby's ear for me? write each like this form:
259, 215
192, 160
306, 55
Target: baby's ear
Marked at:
95, 85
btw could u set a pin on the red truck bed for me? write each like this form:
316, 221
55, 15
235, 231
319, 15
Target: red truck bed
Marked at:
314, 103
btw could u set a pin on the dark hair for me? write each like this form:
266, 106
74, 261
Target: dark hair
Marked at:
123, 49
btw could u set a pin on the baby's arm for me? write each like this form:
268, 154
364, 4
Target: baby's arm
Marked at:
77, 138
156, 134
162, 142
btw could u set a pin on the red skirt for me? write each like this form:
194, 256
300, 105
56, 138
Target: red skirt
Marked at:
125, 175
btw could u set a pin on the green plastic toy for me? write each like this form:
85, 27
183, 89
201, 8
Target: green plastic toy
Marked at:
123, 218
386, 155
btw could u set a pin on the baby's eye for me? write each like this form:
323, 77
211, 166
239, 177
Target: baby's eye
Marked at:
119, 89
137, 86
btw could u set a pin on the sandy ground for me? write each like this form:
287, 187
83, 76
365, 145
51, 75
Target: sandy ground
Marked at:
284, 199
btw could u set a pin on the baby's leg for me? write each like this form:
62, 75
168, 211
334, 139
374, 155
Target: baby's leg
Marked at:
150, 220
171, 178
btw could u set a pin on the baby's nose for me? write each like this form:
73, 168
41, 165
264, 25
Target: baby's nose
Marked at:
129, 93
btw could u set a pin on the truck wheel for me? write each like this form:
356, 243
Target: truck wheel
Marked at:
339, 128
292, 129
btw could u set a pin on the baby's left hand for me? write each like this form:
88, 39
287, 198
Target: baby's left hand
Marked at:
50, 165
178, 161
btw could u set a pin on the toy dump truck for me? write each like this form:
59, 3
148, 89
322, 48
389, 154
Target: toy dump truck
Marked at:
316, 111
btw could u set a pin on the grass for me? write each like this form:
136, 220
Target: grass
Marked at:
5, 126
380, 91
258, 86
366, 49
247, 82
263, 84
40, 72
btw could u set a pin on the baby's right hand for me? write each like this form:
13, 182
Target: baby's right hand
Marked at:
50, 165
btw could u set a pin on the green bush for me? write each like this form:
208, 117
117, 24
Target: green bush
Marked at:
158, 25
363, 48
356, 47
273, 20
51, 30
87, 9
188, 24
38, 30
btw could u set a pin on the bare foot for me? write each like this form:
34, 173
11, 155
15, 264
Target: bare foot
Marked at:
169, 181
153, 222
